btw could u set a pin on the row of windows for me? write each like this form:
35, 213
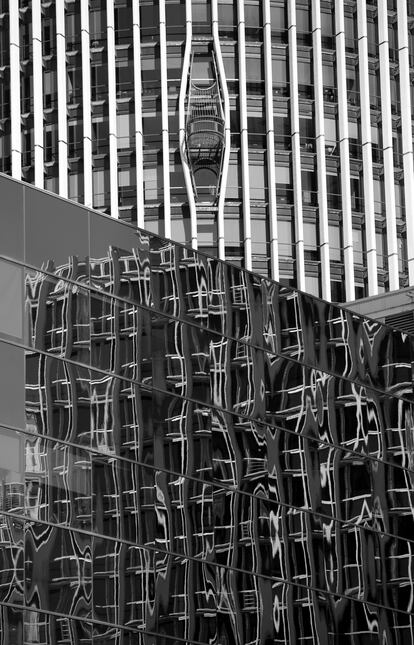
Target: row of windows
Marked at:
228, 20
151, 122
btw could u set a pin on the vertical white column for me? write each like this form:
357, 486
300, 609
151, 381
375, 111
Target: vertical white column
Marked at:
139, 139
61, 94
270, 142
164, 121
226, 109
320, 150
406, 131
15, 112
392, 246
113, 140
247, 234
366, 141
37, 93
181, 123
344, 152
296, 166
86, 104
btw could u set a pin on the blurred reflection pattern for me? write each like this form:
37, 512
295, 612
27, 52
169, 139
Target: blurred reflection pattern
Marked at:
208, 458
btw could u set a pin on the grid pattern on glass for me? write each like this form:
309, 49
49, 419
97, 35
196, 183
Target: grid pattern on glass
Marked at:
196, 432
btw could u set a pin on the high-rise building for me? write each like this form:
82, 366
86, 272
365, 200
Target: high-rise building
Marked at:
274, 134
191, 453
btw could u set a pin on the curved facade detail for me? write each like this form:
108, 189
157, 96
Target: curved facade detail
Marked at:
205, 134
181, 122
192, 453
309, 182
204, 127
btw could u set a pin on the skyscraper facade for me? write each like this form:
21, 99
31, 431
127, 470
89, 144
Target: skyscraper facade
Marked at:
274, 134
189, 452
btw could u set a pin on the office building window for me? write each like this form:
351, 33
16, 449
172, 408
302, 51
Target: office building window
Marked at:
257, 180
305, 82
284, 190
335, 243
333, 191
358, 240
125, 131
280, 75
285, 236
233, 232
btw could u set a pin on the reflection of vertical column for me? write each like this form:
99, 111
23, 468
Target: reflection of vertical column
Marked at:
86, 104
15, 116
139, 144
384, 57
296, 168
181, 122
113, 153
320, 150
226, 108
61, 94
366, 141
247, 235
345, 176
406, 127
37, 93
270, 141
164, 122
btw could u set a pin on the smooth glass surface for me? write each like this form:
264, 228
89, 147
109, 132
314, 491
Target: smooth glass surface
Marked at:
56, 233
11, 218
11, 292
11, 385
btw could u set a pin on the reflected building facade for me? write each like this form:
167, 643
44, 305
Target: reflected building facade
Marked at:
190, 452
252, 129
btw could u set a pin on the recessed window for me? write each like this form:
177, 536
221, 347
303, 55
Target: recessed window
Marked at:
254, 68
233, 231
335, 245
357, 237
279, 72
125, 129
257, 181
260, 237
312, 285
201, 12
285, 236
